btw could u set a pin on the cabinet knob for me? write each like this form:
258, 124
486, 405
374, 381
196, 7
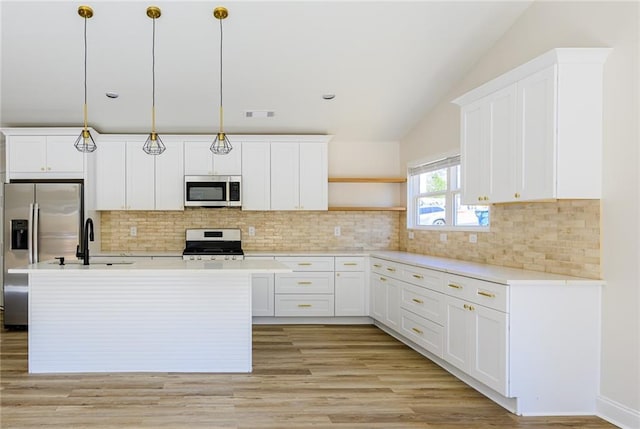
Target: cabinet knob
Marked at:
480, 198
49, 168
41, 168
516, 195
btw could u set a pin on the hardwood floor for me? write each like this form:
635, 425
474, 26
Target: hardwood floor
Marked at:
304, 376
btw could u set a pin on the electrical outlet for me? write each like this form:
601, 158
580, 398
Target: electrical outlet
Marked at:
336, 231
411, 235
133, 231
443, 237
252, 231
473, 238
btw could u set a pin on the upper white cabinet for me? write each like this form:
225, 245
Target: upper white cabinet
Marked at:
126, 178
200, 161
535, 132
299, 176
256, 180
43, 155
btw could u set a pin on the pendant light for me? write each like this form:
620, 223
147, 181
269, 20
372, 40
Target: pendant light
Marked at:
84, 142
153, 145
221, 144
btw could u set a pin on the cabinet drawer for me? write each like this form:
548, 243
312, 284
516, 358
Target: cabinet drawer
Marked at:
386, 268
321, 282
423, 302
424, 277
423, 332
349, 263
492, 295
304, 305
318, 263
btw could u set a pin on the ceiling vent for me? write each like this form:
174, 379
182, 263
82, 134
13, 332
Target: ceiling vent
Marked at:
259, 113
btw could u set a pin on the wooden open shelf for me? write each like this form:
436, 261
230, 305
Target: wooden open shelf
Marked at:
367, 179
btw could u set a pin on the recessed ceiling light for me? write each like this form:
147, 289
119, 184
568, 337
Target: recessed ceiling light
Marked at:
112, 94
328, 96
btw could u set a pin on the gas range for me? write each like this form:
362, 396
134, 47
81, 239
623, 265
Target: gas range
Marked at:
213, 245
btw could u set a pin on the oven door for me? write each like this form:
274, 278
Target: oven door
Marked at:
206, 191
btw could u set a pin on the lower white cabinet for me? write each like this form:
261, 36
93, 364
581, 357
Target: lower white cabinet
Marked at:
475, 341
350, 286
308, 290
262, 291
529, 343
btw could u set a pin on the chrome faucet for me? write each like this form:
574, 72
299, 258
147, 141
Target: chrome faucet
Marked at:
86, 237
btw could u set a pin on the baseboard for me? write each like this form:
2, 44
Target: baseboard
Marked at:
617, 414
337, 320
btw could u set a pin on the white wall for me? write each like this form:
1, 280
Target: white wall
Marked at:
365, 159
546, 25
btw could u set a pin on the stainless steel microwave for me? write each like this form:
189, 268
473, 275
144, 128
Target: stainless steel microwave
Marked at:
212, 191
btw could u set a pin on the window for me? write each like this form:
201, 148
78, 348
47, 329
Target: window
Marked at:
434, 198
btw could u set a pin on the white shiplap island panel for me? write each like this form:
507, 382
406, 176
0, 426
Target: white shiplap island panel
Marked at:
168, 316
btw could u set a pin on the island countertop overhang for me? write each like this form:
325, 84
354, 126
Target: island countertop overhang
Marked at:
163, 265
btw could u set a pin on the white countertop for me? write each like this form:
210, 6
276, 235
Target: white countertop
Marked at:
102, 265
491, 273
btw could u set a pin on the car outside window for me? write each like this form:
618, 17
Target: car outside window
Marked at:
434, 199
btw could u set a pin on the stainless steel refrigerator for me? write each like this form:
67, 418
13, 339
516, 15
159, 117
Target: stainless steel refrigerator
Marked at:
41, 221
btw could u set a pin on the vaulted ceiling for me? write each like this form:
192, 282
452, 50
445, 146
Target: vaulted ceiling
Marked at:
387, 63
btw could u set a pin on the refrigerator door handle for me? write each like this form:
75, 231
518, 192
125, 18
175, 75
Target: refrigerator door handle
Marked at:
36, 219
30, 234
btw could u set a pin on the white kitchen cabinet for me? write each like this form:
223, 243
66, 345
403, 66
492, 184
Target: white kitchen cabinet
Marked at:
262, 291
475, 341
308, 290
385, 294
299, 178
169, 177
140, 178
127, 178
350, 287
535, 133
44, 157
488, 135
256, 179
200, 161
110, 176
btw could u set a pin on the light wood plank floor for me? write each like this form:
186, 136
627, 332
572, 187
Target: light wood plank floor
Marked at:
304, 376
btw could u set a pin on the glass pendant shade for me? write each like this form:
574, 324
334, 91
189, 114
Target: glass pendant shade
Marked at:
85, 143
221, 144
153, 145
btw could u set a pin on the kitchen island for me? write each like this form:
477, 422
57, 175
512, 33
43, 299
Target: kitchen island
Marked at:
163, 315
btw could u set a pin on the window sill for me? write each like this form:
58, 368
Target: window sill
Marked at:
446, 228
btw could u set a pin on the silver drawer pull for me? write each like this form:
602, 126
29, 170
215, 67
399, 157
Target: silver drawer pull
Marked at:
305, 283
417, 301
487, 294
418, 276
417, 331
304, 305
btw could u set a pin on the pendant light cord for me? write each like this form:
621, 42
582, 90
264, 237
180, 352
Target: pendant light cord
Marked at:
85, 74
153, 78
221, 127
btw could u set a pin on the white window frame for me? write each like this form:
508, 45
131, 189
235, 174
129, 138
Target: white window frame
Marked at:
433, 164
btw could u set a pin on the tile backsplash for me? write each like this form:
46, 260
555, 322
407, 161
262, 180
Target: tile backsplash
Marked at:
561, 237
163, 231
